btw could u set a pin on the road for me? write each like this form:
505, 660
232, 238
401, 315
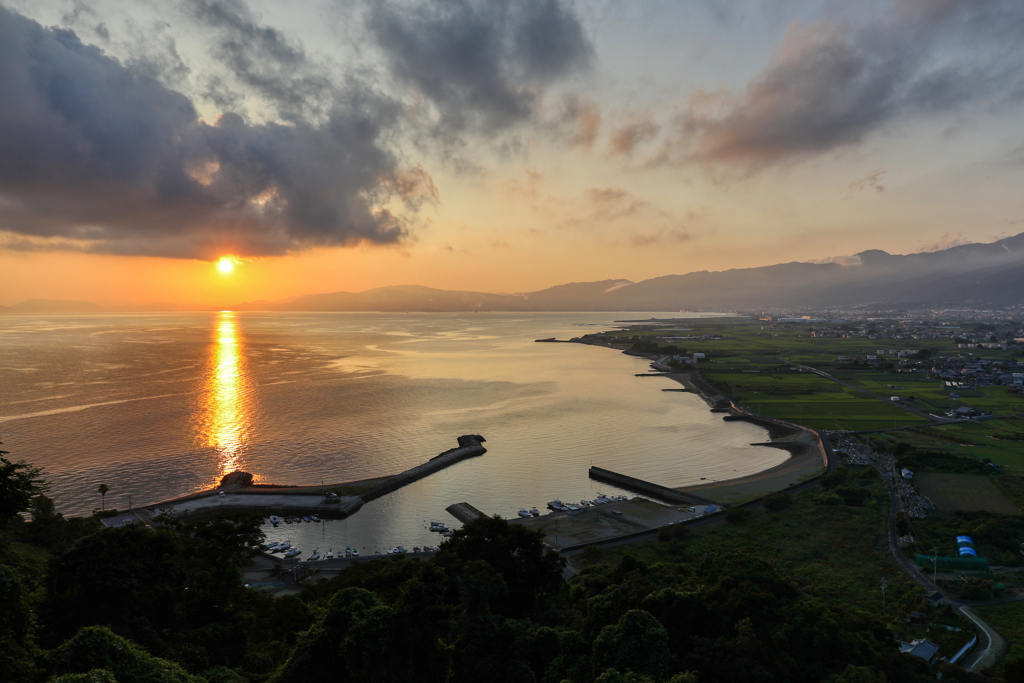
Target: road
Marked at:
994, 646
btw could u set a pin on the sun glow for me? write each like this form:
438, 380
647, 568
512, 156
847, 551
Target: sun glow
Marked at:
226, 422
226, 265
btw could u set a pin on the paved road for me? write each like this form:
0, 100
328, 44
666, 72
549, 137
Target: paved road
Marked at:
993, 645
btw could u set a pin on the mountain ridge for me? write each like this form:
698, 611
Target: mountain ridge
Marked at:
980, 273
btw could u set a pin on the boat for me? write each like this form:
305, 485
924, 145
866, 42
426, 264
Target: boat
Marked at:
348, 551
275, 520
287, 520
555, 504
306, 519
281, 547
448, 534
329, 555
315, 556
535, 512
415, 548
574, 508
439, 527
314, 518
293, 552
355, 552
523, 512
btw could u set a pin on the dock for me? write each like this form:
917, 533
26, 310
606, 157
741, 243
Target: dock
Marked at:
647, 488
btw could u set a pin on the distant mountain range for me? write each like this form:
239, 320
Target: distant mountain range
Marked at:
975, 275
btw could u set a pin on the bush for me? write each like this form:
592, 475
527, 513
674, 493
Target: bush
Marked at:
777, 501
835, 477
828, 498
853, 495
737, 515
673, 531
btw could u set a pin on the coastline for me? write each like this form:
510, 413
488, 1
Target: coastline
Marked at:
801, 443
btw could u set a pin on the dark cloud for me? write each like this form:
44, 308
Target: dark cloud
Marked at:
263, 60
96, 155
831, 85
481, 63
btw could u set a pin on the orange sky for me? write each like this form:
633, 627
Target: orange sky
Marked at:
655, 140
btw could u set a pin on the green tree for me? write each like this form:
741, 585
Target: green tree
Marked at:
518, 555
20, 482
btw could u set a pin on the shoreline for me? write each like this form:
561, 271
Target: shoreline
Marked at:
799, 441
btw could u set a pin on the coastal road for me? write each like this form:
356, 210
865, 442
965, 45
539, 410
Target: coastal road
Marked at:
994, 646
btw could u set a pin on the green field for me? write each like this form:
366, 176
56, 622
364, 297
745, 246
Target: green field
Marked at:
836, 553
964, 492
780, 391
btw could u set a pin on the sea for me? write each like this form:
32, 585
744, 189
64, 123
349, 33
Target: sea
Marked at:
161, 405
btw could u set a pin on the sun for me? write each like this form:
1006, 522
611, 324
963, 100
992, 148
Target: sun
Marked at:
225, 265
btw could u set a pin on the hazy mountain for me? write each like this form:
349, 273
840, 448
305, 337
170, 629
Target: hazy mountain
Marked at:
972, 274
52, 306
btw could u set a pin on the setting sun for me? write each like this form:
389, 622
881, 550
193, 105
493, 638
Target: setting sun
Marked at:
225, 265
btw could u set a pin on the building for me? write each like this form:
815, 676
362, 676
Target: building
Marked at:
922, 647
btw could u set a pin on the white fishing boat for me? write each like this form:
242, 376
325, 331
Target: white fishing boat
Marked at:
315, 556
293, 552
355, 552
535, 512
314, 518
523, 512
329, 555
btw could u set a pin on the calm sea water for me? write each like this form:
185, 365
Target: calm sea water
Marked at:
156, 406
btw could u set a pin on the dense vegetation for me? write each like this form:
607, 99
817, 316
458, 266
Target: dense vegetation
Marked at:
81, 603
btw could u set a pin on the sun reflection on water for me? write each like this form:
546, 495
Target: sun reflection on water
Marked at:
227, 409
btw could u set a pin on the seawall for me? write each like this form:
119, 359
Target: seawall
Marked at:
469, 447
640, 486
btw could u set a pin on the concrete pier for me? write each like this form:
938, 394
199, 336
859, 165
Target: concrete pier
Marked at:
306, 500
640, 486
469, 447
464, 512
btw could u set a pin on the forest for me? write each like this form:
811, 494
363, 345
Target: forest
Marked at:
83, 603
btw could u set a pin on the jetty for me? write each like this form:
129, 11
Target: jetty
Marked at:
464, 512
647, 488
237, 493
469, 447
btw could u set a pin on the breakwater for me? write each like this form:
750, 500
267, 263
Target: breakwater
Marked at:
469, 447
302, 501
640, 486
464, 512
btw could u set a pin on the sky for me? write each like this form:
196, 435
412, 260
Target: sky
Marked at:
491, 145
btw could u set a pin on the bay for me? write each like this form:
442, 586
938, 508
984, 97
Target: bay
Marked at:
161, 405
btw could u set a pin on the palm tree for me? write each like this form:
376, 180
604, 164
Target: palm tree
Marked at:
103, 495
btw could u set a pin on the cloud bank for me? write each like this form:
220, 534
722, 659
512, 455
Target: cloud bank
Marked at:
101, 156
830, 84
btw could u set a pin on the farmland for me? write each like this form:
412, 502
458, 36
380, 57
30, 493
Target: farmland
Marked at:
964, 492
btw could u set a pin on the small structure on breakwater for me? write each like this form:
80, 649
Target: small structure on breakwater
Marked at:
238, 494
